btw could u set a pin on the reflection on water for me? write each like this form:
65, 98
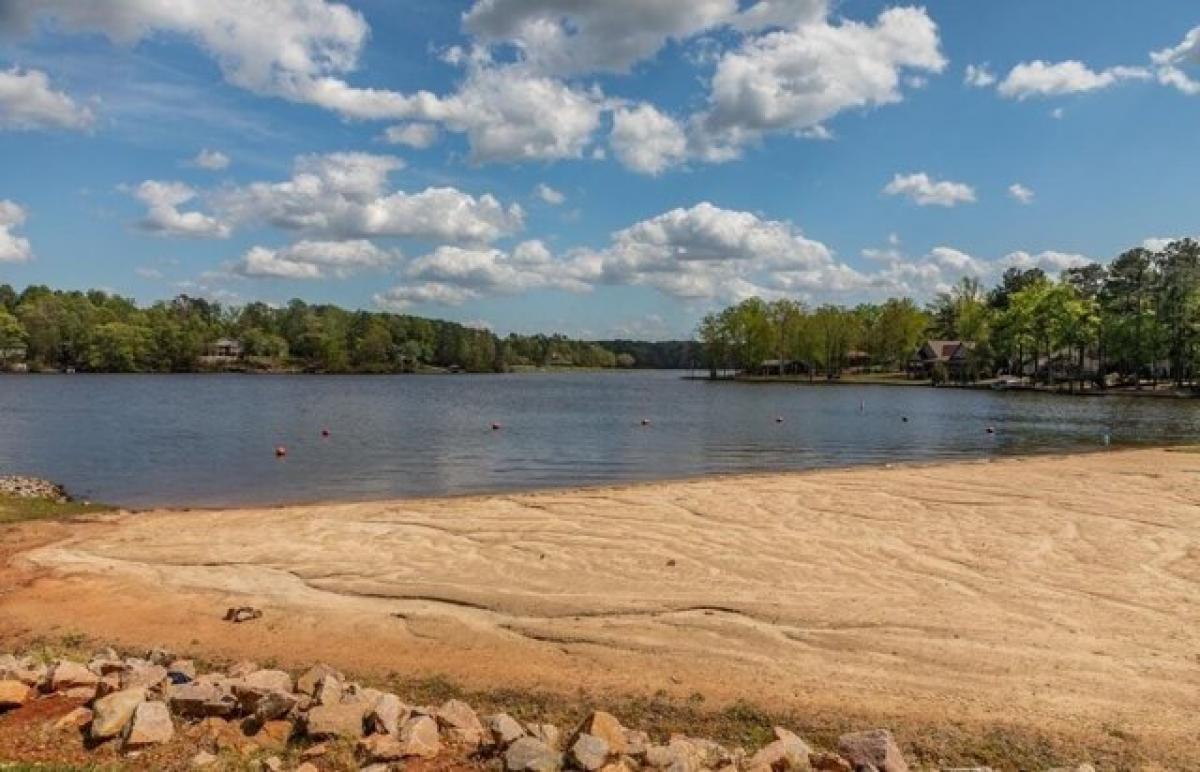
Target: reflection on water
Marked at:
208, 440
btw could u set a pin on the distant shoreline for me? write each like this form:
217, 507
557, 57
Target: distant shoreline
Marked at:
796, 380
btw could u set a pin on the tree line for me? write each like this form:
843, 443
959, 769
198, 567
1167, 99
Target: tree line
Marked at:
1135, 319
102, 332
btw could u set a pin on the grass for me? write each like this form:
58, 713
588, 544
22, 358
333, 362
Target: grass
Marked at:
20, 510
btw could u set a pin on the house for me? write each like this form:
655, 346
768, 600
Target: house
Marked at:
13, 354
952, 354
780, 367
225, 348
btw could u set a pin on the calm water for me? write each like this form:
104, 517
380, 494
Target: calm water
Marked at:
209, 439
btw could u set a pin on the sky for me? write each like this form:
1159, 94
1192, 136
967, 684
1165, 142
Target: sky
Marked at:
602, 168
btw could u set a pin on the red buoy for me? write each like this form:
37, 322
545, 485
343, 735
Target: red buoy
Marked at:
280, 451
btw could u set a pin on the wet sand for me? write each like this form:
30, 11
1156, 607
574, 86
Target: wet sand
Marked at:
1059, 593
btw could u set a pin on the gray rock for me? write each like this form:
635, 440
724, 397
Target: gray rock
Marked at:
69, 675
548, 734
505, 729
308, 683
528, 754
151, 725
589, 752
462, 723
273, 705
200, 700
606, 727
143, 675
380, 748
419, 737
875, 747
387, 714
343, 720
268, 680
114, 712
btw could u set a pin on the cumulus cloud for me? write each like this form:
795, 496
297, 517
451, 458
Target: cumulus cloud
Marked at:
163, 216
925, 191
314, 260
549, 195
212, 160
1038, 78
647, 140
1020, 193
492, 271
344, 196
13, 248
792, 79
414, 135
28, 102
1050, 261
979, 76
406, 296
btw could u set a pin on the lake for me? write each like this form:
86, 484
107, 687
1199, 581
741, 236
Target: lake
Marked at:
208, 440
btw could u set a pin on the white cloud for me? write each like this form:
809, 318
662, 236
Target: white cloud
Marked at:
647, 140
979, 76
567, 37
414, 135
1157, 243
1058, 113
13, 248
1020, 193
925, 191
1171, 61
28, 102
793, 79
549, 195
1039, 78
314, 260
163, 217
1050, 261
345, 196
213, 160
404, 297
489, 271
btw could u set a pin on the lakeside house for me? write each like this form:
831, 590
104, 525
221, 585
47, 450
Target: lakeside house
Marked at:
781, 367
952, 354
223, 351
13, 358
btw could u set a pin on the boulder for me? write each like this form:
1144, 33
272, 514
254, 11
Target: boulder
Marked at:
549, 734
529, 754
200, 700
82, 694
113, 712
14, 694
505, 729
69, 675
345, 720
268, 681
271, 735
462, 723
181, 671
387, 715
329, 691
589, 752
419, 737
875, 747
607, 728
308, 683
273, 705
109, 683
161, 657
143, 675
105, 666
151, 725
637, 743
75, 720
829, 762
220, 735
380, 748
243, 668
787, 752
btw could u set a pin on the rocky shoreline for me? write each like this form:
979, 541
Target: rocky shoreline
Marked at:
21, 487
270, 719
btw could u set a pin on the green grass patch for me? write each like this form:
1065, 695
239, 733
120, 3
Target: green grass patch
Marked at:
19, 510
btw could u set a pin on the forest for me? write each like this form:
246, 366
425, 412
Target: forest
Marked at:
101, 332
1133, 320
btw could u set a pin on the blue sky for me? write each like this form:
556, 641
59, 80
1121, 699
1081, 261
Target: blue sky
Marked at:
606, 168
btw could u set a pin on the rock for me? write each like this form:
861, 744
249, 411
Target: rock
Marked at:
143, 675
308, 683
203, 759
81, 694
381, 748
315, 751
307, 767
271, 735
221, 735
325, 721
239, 614
200, 700
607, 728
624, 764
268, 681
76, 719
273, 705
787, 752
161, 657
505, 729
419, 737
387, 714
272, 764
636, 743
462, 723
69, 675
113, 712
329, 691
875, 747
151, 725
589, 752
358, 693
829, 762
243, 668
14, 694
549, 734
529, 754
108, 684
105, 666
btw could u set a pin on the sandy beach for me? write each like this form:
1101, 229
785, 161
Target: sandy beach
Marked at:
1060, 594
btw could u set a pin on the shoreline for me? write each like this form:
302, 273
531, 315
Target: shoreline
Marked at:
916, 595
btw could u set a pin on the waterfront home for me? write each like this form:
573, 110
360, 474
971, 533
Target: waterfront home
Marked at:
13, 357
952, 354
225, 349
